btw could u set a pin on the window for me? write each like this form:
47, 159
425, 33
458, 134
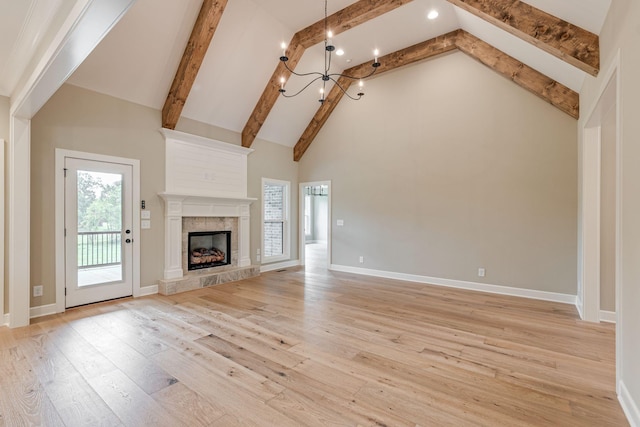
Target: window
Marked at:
275, 220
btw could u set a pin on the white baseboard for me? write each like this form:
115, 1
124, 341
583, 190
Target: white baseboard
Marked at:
279, 265
5, 320
42, 310
608, 316
474, 286
629, 407
148, 290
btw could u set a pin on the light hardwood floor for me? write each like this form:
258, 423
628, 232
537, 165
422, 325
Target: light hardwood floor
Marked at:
307, 348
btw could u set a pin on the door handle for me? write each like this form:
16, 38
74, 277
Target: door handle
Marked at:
128, 241
128, 231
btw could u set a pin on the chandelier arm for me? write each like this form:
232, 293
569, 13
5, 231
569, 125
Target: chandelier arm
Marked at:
301, 90
343, 89
300, 74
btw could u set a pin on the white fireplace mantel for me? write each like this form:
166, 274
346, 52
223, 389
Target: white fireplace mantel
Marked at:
204, 178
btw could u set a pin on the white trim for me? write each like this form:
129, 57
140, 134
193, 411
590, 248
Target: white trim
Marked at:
148, 290
5, 320
608, 316
19, 216
286, 238
301, 236
603, 101
60, 155
591, 168
279, 265
579, 305
42, 310
460, 284
2, 226
629, 407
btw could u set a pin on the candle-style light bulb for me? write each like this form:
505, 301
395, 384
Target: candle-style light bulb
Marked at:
283, 45
375, 54
282, 80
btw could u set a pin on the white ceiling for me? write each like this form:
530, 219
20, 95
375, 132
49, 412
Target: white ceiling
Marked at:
137, 60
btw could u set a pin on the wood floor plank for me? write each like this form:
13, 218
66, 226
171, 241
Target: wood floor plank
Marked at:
24, 400
186, 404
74, 399
137, 367
130, 403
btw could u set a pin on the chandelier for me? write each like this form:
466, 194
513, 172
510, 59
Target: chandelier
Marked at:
325, 75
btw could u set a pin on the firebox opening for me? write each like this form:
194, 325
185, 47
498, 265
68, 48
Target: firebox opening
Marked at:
209, 249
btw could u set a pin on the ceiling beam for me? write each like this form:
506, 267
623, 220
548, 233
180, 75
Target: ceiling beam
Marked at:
566, 41
535, 82
201, 35
400, 58
349, 17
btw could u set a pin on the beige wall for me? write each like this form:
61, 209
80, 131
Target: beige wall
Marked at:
4, 134
78, 119
445, 167
608, 213
622, 34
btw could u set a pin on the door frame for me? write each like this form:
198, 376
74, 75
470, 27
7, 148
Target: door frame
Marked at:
3, 319
61, 154
588, 304
301, 236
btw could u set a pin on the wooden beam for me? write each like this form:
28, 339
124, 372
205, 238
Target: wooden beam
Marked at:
566, 41
535, 82
201, 35
400, 58
349, 17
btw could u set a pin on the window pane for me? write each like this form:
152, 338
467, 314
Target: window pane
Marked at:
273, 238
273, 202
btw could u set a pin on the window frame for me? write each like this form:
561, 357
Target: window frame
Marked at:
286, 221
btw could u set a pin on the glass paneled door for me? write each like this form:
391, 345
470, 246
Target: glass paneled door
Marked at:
98, 230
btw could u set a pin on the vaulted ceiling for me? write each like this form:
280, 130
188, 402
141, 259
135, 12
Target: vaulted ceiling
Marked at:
139, 59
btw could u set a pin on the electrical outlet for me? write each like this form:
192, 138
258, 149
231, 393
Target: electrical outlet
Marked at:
145, 214
258, 258
481, 272
37, 291
361, 259
145, 224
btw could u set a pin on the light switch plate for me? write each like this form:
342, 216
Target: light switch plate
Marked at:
145, 224
145, 214
340, 222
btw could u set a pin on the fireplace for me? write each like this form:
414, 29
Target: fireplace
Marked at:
208, 249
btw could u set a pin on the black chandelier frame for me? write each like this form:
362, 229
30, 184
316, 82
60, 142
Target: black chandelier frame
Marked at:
326, 75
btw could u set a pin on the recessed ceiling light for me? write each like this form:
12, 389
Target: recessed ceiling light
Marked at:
339, 52
433, 14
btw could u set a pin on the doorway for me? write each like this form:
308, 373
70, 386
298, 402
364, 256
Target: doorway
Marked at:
100, 250
315, 225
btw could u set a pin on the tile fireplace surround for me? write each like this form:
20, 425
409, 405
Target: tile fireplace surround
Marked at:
205, 191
